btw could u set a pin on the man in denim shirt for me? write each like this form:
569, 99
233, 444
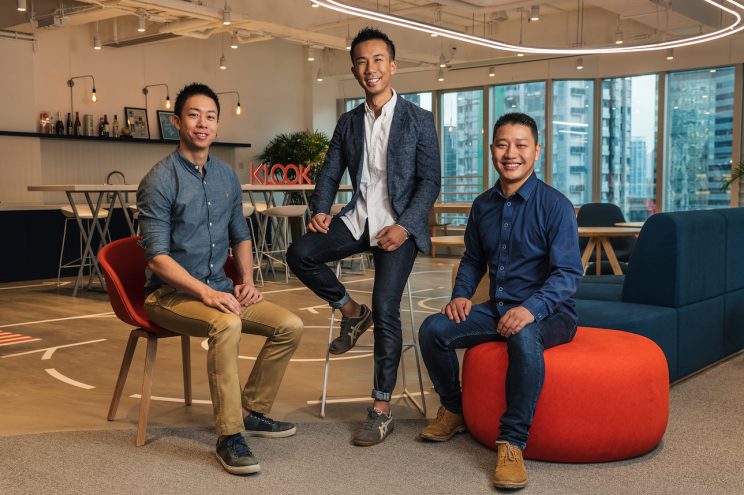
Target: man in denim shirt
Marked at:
524, 233
191, 211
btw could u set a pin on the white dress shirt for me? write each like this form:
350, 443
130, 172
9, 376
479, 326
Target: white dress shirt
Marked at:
373, 204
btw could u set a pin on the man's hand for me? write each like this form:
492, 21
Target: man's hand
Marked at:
223, 301
391, 237
247, 294
513, 321
319, 223
457, 309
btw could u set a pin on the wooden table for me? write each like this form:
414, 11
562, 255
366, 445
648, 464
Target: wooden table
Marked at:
598, 239
451, 207
637, 225
94, 196
447, 241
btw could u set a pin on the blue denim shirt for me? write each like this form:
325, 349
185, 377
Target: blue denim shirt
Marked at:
192, 218
530, 244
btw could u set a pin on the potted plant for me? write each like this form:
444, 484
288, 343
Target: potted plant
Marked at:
736, 174
307, 148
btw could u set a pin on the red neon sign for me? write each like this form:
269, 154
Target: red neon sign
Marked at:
280, 174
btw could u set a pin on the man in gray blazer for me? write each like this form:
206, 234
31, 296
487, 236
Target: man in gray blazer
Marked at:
389, 147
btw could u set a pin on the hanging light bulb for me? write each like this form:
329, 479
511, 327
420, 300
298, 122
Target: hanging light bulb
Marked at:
97, 41
670, 54
226, 18
319, 77
310, 54
440, 75
238, 110
141, 20
535, 13
234, 41
22, 5
619, 36
491, 71
442, 61
348, 41
167, 102
93, 96
579, 63
223, 62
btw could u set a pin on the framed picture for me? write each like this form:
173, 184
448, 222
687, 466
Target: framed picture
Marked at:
137, 122
168, 131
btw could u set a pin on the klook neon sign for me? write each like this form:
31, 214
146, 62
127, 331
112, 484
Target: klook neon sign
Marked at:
280, 174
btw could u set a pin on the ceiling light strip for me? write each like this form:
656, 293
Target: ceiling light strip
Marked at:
733, 28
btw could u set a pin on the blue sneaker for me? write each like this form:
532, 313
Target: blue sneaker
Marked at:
235, 455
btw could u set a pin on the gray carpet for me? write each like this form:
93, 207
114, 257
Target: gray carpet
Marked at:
702, 453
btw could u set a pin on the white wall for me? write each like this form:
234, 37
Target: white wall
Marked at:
274, 85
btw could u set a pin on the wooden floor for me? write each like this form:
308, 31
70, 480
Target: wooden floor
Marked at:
59, 372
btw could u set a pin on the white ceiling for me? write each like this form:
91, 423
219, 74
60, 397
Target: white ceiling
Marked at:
641, 21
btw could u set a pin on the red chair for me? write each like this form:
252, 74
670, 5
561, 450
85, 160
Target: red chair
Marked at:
123, 266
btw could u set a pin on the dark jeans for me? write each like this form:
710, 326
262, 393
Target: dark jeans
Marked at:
307, 257
439, 337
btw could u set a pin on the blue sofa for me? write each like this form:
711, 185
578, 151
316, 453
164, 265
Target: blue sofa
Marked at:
684, 288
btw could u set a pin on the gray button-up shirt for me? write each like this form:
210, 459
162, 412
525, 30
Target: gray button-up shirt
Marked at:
191, 218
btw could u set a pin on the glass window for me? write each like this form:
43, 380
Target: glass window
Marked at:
527, 98
352, 103
572, 139
699, 131
421, 99
462, 149
628, 145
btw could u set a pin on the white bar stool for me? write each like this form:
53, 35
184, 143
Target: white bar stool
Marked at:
248, 210
407, 346
280, 240
86, 215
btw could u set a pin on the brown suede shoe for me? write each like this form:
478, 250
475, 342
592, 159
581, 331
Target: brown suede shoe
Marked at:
444, 427
510, 471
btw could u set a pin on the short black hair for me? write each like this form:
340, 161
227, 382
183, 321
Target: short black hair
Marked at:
370, 33
191, 90
516, 118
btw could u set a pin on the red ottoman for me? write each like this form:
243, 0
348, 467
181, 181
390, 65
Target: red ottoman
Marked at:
605, 398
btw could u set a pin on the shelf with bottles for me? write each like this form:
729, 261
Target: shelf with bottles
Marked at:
109, 139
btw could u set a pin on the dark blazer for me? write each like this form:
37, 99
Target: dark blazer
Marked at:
413, 166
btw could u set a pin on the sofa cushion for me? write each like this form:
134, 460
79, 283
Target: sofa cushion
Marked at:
733, 322
601, 292
679, 259
699, 335
734, 219
658, 323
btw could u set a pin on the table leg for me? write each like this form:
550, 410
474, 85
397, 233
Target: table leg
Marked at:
598, 258
587, 253
611, 256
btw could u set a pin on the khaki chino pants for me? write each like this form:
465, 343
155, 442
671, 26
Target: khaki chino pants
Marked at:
186, 315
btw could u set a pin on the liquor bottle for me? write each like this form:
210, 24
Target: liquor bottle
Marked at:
115, 128
68, 127
59, 127
105, 125
100, 127
77, 124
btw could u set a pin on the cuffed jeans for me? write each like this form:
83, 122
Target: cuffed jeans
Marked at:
307, 257
186, 315
439, 337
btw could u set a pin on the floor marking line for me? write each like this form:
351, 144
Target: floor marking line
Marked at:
32, 285
52, 349
27, 339
362, 354
59, 376
171, 399
95, 315
363, 399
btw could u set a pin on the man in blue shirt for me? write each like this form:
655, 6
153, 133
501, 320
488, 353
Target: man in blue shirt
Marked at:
190, 212
524, 233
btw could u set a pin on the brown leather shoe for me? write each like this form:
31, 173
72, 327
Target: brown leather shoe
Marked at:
444, 426
510, 471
